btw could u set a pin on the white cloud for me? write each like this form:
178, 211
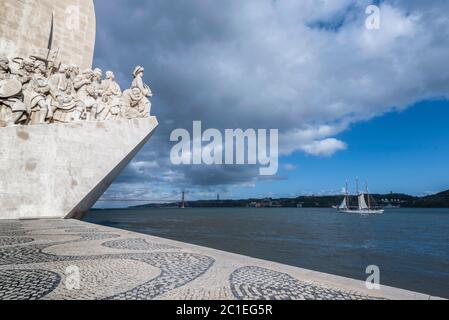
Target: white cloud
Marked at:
144, 165
324, 148
290, 167
309, 68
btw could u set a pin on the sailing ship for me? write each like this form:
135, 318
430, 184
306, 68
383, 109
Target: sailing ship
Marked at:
363, 207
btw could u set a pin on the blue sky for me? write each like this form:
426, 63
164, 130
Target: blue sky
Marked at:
405, 151
348, 100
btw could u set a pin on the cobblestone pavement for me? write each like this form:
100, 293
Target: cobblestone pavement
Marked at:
70, 259
255, 283
136, 244
27, 284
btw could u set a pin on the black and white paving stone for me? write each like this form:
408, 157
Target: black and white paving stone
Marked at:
38, 258
177, 269
10, 241
137, 244
27, 284
255, 283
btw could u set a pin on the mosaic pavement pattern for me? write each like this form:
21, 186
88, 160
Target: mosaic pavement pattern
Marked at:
136, 244
255, 283
27, 284
69, 259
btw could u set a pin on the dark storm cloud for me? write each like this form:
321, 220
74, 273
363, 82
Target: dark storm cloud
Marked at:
309, 68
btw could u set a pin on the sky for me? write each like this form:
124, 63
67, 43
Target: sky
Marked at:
348, 101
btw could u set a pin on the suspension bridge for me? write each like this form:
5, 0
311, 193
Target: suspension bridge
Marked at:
181, 201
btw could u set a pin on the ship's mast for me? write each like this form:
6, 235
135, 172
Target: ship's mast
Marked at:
347, 195
183, 200
358, 194
367, 194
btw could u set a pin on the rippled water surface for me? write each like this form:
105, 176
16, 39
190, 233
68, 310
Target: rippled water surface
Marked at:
411, 246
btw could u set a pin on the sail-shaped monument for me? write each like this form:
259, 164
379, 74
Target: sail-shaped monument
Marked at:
66, 130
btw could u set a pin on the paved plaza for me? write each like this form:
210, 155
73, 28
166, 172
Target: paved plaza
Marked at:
70, 259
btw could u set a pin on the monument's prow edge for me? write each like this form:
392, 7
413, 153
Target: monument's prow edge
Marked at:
61, 170
89, 201
66, 132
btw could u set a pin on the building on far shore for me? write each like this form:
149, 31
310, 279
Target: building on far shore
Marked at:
265, 203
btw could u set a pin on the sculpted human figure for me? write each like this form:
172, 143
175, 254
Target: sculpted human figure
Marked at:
109, 106
5, 70
138, 82
97, 80
5, 73
131, 104
32, 91
135, 103
97, 91
86, 93
110, 86
64, 104
25, 71
12, 109
74, 72
35, 95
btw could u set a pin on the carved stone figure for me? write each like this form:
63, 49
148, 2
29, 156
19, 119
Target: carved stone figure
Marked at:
109, 106
132, 105
5, 70
144, 104
110, 86
86, 93
65, 106
25, 70
96, 91
35, 95
32, 91
12, 109
74, 72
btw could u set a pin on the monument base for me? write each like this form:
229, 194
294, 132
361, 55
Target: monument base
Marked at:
61, 170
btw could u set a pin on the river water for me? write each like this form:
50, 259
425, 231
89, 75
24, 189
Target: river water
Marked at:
410, 246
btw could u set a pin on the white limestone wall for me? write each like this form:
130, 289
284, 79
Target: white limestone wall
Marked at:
61, 170
25, 26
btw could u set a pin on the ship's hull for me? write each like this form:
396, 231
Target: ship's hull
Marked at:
363, 211
61, 170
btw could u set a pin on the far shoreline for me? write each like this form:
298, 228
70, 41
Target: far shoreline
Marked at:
387, 201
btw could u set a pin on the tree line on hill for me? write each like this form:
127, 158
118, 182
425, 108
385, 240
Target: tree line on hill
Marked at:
440, 200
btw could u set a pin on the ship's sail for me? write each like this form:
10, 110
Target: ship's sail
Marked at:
363, 207
362, 202
343, 205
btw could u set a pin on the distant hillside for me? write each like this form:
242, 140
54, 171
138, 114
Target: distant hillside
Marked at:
440, 200
395, 199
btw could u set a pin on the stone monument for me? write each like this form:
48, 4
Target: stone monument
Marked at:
66, 131
36, 27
